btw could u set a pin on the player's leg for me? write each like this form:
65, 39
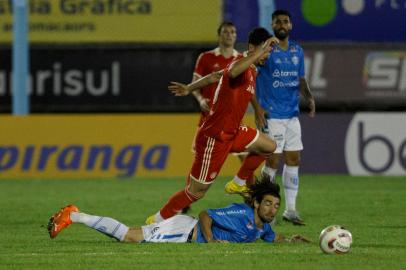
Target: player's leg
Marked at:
276, 131
290, 175
271, 166
70, 214
177, 229
259, 146
209, 158
182, 199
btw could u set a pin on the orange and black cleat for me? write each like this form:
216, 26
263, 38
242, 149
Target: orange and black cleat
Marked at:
61, 220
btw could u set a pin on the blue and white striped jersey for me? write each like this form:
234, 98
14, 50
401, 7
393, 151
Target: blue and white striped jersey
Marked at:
277, 83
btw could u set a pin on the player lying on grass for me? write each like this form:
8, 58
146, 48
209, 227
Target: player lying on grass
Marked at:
237, 223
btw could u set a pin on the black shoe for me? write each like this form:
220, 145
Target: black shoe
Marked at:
293, 216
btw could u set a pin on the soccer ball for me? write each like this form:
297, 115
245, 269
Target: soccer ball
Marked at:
335, 239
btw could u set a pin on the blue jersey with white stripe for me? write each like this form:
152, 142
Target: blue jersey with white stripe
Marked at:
236, 224
277, 84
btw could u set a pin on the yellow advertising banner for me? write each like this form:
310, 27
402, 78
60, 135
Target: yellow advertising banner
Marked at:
111, 21
93, 146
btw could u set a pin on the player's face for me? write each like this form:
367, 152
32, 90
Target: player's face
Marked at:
268, 208
228, 36
281, 26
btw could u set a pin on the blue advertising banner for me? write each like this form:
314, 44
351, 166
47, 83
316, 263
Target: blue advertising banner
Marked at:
326, 20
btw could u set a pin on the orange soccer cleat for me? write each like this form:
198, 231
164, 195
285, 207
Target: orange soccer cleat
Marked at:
61, 220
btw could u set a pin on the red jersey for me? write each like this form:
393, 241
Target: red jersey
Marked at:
230, 103
209, 62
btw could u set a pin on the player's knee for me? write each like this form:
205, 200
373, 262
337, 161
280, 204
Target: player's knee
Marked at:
197, 193
292, 160
270, 147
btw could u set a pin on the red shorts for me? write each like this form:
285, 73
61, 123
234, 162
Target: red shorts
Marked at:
211, 153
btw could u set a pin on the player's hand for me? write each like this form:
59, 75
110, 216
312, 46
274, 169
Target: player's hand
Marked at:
178, 89
204, 104
312, 107
269, 43
273, 41
299, 239
219, 241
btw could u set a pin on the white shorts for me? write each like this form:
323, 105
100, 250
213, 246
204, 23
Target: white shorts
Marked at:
172, 230
286, 133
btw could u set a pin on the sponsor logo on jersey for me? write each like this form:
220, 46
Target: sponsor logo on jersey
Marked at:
277, 73
280, 84
251, 89
231, 212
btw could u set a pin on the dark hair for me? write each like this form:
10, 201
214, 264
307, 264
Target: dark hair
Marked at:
265, 187
258, 35
223, 24
281, 12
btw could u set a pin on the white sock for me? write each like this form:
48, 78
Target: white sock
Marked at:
239, 181
106, 225
158, 217
269, 171
290, 180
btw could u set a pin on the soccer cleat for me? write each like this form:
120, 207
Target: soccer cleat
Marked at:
266, 177
150, 220
61, 220
233, 188
293, 216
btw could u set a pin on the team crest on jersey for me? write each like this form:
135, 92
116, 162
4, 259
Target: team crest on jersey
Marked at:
251, 89
213, 175
216, 66
293, 49
278, 61
295, 60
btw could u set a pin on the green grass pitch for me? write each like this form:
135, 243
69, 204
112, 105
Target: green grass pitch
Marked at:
372, 208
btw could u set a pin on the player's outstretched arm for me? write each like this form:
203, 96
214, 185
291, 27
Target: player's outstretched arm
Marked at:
239, 66
203, 102
293, 239
205, 224
307, 94
180, 89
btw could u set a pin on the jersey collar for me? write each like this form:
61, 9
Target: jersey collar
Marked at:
217, 52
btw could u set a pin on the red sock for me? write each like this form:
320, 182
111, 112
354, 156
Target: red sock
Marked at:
248, 167
177, 202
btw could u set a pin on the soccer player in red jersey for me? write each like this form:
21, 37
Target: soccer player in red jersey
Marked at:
222, 132
214, 60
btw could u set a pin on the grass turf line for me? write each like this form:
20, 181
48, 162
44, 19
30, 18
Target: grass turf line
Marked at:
371, 207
